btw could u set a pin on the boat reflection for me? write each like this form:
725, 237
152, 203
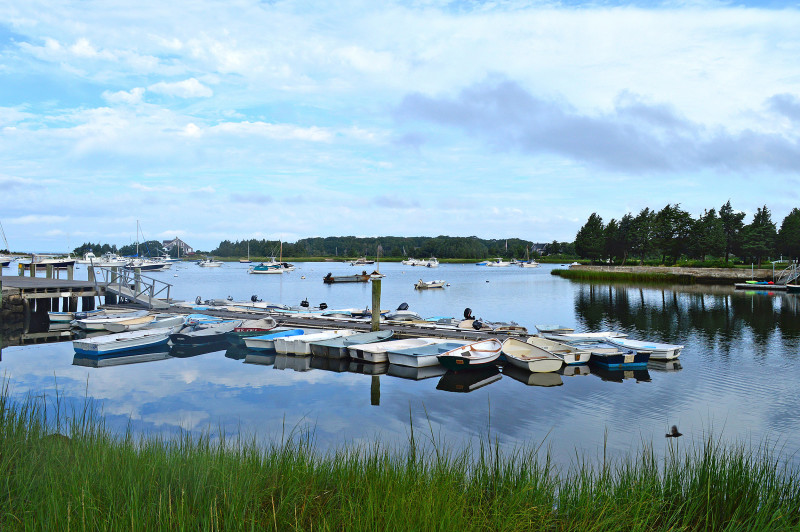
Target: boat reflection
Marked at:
574, 370
416, 374
188, 351
366, 368
337, 365
237, 352
664, 365
292, 362
619, 375
146, 354
264, 358
468, 381
532, 379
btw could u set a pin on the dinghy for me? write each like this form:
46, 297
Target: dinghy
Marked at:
151, 321
378, 352
116, 343
266, 342
337, 347
477, 355
424, 355
203, 334
569, 353
657, 351
525, 356
301, 344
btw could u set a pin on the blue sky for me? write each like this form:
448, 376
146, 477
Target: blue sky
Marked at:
245, 119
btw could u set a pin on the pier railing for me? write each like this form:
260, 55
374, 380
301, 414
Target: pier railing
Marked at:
146, 290
788, 274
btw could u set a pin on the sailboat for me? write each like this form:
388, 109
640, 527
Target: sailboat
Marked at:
273, 266
528, 263
247, 260
377, 273
5, 260
146, 264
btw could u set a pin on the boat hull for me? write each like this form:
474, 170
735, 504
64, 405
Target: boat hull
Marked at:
478, 355
620, 360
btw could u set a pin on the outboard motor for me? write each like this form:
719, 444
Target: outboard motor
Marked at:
230, 298
254, 298
304, 303
403, 306
477, 325
468, 314
323, 306
197, 300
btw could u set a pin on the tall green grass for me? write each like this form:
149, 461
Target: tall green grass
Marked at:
92, 480
650, 277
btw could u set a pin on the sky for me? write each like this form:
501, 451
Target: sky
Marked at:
212, 120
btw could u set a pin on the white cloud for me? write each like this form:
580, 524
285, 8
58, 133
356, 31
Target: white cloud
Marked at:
129, 97
188, 88
32, 219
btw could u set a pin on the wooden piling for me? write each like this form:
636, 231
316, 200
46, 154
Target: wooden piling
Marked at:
137, 280
48, 271
376, 305
71, 272
90, 273
87, 303
73, 304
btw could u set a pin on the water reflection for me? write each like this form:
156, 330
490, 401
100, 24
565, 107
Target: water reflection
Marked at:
416, 374
619, 375
138, 356
532, 379
292, 362
468, 381
188, 351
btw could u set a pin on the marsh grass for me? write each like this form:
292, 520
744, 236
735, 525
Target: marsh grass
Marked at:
89, 479
654, 277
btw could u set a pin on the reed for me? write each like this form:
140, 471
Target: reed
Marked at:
92, 480
654, 277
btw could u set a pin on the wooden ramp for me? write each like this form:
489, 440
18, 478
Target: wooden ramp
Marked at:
141, 298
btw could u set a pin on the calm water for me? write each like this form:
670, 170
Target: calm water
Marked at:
737, 375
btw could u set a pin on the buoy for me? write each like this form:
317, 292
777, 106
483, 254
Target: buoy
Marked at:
302, 276
487, 280
175, 275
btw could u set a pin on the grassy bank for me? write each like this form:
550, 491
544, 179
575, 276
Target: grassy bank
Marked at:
92, 480
654, 277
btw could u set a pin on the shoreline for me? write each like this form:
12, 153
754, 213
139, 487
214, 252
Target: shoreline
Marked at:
679, 274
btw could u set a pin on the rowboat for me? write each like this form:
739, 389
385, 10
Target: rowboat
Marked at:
525, 356
249, 328
610, 356
569, 353
424, 355
283, 343
99, 322
465, 382
204, 334
337, 347
66, 317
266, 342
476, 355
584, 337
301, 344
151, 321
657, 351
378, 351
554, 329
115, 343
422, 285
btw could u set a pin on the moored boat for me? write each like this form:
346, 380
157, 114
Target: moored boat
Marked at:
266, 342
204, 334
498, 262
301, 344
525, 356
115, 343
151, 321
476, 355
378, 352
362, 278
658, 351
554, 329
210, 263
610, 356
422, 285
583, 337
569, 353
423, 355
337, 347
98, 322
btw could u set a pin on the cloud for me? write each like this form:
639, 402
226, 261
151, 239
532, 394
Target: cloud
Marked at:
38, 219
9, 182
189, 88
275, 131
786, 104
634, 136
394, 202
129, 97
259, 199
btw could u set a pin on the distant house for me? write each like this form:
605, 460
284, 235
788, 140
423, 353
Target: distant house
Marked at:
539, 248
185, 249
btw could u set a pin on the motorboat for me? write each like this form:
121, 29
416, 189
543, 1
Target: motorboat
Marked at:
554, 329
271, 267
432, 262
498, 262
115, 343
362, 278
477, 355
657, 350
569, 353
423, 355
250, 328
379, 351
210, 263
423, 285
42, 261
528, 264
148, 265
337, 347
525, 356
402, 314
107, 260
361, 261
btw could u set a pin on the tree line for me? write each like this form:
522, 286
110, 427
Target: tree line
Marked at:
672, 234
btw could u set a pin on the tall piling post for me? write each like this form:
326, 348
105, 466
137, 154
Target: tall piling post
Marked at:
376, 305
48, 271
137, 280
71, 272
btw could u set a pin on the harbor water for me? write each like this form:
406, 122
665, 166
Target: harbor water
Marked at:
736, 377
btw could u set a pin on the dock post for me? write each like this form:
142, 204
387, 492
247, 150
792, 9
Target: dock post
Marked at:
73, 304
376, 305
87, 303
65, 304
33, 270
71, 272
48, 271
137, 280
90, 273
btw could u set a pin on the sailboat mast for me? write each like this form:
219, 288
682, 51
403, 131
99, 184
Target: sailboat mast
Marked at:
2, 232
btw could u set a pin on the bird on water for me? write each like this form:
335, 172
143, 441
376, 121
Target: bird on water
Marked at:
673, 433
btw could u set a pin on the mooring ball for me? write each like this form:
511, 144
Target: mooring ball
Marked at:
198, 300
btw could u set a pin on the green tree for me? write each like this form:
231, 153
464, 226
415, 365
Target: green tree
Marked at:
758, 237
789, 235
641, 233
671, 229
590, 240
707, 236
732, 224
614, 247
